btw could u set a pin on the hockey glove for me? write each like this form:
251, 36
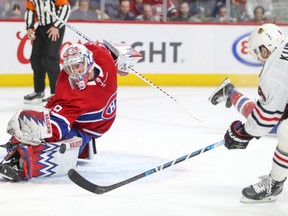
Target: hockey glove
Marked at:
125, 56
30, 127
236, 137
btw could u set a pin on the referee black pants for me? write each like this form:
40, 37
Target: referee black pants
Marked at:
45, 57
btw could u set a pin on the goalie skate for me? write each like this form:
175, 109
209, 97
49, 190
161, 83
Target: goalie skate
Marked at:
222, 93
266, 190
9, 172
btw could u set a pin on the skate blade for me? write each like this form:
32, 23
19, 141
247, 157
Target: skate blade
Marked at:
35, 101
9, 173
244, 199
7, 178
227, 80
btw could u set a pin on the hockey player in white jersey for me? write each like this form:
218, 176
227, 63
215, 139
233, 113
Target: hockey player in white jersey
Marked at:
269, 45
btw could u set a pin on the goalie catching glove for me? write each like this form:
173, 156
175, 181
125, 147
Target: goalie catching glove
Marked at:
236, 137
125, 57
30, 127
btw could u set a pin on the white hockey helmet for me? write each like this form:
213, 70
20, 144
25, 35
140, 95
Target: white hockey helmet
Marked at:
268, 35
77, 63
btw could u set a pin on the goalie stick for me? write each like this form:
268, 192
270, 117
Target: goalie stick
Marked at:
98, 189
135, 72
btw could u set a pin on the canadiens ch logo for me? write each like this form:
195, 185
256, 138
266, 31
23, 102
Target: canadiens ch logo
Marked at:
110, 108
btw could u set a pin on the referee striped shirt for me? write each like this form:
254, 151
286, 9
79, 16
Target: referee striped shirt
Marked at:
35, 12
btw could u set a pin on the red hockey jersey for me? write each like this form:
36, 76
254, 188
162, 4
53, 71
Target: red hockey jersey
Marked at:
91, 110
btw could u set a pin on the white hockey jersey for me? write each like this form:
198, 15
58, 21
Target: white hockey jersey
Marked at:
273, 89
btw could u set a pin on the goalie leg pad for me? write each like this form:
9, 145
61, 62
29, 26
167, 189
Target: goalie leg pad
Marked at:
49, 159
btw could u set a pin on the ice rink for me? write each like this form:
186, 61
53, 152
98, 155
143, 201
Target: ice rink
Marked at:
151, 129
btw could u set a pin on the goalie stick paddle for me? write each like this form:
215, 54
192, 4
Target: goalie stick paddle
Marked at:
98, 189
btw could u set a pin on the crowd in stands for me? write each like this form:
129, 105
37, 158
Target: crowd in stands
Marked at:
11, 9
254, 11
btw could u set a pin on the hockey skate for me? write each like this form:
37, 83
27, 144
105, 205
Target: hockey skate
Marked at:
9, 172
34, 98
46, 100
264, 191
222, 93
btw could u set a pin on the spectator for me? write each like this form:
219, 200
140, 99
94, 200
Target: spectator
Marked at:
101, 15
124, 12
83, 12
148, 14
136, 7
177, 3
2, 8
5, 10
218, 5
14, 12
238, 10
184, 14
74, 4
258, 15
222, 15
95, 4
157, 7
252, 4
207, 7
195, 9
112, 7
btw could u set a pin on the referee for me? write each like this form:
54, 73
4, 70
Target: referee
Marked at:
47, 34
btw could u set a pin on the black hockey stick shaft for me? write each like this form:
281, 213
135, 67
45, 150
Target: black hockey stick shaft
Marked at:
98, 189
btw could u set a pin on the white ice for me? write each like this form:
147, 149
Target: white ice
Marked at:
152, 129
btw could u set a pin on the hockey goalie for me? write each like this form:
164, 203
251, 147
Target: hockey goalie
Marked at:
49, 142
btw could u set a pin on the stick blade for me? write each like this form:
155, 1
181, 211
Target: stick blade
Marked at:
84, 183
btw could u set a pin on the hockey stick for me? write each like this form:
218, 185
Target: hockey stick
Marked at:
164, 92
4, 145
98, 189
135, 72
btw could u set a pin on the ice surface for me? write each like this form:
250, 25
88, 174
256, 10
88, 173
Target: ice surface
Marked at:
151, 129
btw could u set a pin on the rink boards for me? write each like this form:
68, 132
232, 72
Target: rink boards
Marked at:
184, 54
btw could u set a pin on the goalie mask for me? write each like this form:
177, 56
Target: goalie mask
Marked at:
268, 35
77, 63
